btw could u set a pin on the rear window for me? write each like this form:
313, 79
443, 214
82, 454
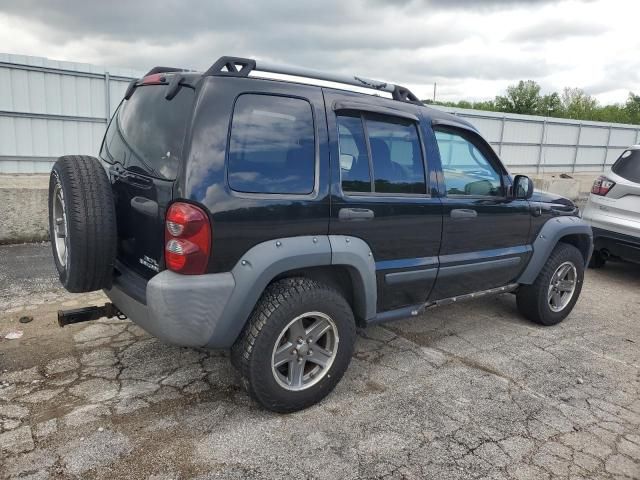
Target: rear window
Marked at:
147, 132
272, 145
628, 165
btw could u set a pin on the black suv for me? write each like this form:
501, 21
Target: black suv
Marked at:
274, 217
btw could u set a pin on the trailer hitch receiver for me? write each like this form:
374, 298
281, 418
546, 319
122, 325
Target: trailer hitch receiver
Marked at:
85, 314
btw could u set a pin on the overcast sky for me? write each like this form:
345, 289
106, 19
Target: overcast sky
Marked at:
473, 49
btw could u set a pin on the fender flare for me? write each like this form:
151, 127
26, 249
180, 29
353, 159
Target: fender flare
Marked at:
548, 237
265, 261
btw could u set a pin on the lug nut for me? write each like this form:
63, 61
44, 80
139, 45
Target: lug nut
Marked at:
294, 351
309, 340
309, 352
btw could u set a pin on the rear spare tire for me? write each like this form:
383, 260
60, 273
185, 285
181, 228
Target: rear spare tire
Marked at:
82, 223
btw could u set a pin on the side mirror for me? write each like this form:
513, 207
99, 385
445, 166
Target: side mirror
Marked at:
522, 187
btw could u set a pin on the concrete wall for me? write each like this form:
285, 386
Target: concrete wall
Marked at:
24, 209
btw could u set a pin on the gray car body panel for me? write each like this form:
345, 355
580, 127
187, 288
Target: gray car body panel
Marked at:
548, 237
211, 310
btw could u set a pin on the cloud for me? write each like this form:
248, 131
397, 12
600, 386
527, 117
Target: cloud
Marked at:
558, 29
473, 49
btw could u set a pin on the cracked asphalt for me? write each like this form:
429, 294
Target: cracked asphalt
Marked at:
466, 391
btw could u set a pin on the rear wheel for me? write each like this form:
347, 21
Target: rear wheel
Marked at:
82, 223
553, 295
296, 346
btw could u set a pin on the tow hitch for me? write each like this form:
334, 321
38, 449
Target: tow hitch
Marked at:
77, 315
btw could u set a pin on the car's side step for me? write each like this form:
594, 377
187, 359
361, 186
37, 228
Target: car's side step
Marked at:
472, 296
77, 315
415, 310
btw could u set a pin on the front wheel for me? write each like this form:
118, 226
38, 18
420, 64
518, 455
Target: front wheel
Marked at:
553, 295
296, 346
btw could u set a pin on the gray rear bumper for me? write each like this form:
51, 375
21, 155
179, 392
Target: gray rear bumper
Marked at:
181, 310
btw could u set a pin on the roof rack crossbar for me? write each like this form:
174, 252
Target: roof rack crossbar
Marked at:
241, 67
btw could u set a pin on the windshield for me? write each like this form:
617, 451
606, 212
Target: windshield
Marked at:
147, 132
628, 165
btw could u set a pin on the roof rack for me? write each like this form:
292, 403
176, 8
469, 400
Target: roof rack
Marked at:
241, 67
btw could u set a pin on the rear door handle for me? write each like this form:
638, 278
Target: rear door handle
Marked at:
463, 213
355, 214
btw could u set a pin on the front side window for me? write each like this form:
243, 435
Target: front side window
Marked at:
272, 145
466, 170
393, 154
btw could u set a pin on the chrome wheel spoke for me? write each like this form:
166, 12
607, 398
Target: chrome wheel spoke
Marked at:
284, 354
565, 285
320, 356
296, 331
296, 372
317, 329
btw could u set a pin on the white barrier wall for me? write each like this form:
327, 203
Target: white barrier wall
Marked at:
50, 108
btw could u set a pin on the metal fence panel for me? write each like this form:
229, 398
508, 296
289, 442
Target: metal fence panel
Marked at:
50, 108
543, 144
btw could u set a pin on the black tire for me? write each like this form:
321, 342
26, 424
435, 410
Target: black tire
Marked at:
91, 235
533, 301
597, 260
282, 302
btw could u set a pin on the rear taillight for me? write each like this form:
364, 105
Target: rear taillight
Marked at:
602, 185
187, 239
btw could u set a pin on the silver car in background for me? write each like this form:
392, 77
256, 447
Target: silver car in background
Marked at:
613, 210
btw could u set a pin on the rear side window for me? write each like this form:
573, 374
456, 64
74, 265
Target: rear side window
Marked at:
628, 165
390, 148
147, 132
272, 145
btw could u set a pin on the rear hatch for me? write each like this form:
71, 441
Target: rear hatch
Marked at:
144, 148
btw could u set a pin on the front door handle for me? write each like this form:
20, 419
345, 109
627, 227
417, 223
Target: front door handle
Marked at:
463, 213
355, 214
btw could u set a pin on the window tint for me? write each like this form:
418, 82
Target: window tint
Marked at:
466, 170
395, 150
272, 147
628, 165
147, 132
354, 159
396, 155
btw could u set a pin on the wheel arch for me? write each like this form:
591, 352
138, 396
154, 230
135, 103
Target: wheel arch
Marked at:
570, 230
344, 262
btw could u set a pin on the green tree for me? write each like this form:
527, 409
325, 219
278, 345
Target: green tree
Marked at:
550, 105
632, 108
521, 98
577, 104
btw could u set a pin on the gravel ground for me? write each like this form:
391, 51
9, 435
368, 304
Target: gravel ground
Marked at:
468, 391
